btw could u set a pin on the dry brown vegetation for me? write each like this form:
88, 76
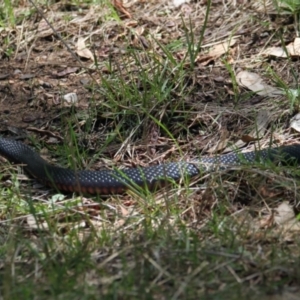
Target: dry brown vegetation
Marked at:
136, 83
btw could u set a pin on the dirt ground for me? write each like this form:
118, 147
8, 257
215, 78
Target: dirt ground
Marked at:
37, 69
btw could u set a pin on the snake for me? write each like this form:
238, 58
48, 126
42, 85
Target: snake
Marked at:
116, 181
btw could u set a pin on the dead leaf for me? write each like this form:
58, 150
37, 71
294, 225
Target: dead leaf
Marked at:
292, 49
221, 143
177, 3
285, 213
118, 5
267, 222
82, 50
295, 122
71, 98
222, 48
33, 224
290, 226
255, 83
44, 29
275, 51
67, 71
248, 138
287, 221
216, 51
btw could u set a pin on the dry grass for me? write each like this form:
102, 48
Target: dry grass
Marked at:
151, 89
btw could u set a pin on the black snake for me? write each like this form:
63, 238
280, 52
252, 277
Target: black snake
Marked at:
117, 181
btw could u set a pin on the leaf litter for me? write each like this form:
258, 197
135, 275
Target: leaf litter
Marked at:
42, 72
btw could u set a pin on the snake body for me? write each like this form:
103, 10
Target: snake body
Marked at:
117, 181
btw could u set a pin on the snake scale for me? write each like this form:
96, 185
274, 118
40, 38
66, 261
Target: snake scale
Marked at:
117, 181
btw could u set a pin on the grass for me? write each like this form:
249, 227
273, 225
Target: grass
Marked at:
210, 237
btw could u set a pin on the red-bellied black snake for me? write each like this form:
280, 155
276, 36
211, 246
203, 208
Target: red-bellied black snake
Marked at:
117, 181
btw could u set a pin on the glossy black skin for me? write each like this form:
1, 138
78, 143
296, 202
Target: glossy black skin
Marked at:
118, 181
